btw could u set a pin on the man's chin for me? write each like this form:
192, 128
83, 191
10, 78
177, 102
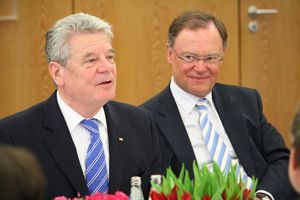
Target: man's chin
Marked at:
107, 97
200, 92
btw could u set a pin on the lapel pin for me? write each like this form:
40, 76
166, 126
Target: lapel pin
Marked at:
120, 139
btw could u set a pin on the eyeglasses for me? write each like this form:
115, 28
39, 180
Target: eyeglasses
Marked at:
190, 58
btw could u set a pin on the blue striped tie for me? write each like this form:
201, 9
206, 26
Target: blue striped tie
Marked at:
96, 172
216, 147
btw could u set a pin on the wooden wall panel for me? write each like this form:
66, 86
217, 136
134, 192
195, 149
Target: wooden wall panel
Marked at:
140, 28
24, 78
270, 59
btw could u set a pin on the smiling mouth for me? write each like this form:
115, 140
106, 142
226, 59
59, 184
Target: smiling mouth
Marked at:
105, 83
199, 78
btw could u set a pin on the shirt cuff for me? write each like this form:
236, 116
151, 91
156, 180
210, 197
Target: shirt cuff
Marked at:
266, 193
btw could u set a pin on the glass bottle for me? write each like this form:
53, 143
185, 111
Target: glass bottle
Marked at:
156, 179
136, 192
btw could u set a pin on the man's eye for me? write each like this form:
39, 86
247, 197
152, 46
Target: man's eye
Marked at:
110, 58
91, 60
188, 57
211, 59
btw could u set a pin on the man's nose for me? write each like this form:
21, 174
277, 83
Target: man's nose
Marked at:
199, 64
104, 65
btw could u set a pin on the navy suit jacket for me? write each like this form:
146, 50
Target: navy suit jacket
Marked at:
258, 145
43, 130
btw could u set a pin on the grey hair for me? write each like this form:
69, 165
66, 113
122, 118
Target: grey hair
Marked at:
57, 38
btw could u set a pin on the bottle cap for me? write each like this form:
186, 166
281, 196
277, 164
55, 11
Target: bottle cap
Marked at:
156, 178
136, 180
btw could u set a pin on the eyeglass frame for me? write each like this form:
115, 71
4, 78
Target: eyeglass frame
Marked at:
197, 58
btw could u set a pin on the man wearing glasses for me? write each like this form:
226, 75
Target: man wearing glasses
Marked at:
205, 121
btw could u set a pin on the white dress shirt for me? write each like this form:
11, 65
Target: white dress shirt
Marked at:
81, 136
186, 103
190, 116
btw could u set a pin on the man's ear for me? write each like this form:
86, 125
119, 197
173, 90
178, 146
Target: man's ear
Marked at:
56, 72
293, 159
169, 55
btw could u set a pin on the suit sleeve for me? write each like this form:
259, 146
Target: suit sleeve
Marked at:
4, 136
275, 178
155, 157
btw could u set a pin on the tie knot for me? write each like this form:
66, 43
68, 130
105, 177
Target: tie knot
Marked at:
202, 104
91, 125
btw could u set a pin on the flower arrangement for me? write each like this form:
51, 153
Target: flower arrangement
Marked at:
206, 185
98, 196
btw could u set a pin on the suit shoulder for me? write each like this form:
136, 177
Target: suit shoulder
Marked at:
125, 107
130, 114
248, 98
235, 90
152, 103
24, 115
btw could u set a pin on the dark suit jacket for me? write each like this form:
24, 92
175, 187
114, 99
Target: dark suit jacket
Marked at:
43, 130
258, 145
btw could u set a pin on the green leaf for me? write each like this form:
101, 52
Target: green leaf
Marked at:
218, 194
212, 183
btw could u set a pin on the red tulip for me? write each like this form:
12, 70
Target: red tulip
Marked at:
186, 196
246, 193
224, 195
157, 196
206, 197
173, 195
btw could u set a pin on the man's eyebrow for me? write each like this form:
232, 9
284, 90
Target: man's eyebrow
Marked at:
197, 55
88, 54
111, 51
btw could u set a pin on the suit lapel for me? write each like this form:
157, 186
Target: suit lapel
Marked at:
235, 126
117, 142
61, 146
171, 125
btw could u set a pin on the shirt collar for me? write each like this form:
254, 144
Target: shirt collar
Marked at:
73, 118
184, 99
